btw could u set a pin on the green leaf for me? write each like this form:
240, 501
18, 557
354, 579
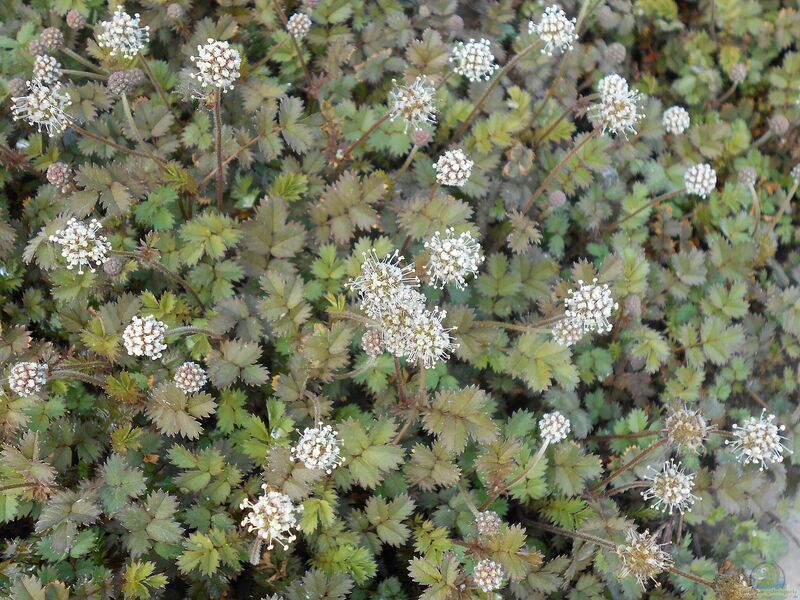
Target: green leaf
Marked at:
720, 341
455, 416
369, 453
387, 518
140, 580
570, 467
538, 362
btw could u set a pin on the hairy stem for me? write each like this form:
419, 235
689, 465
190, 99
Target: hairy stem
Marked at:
86, 63
159, 90
218, 145
346, 155
537, 327
467, 500
86, 74
190, 330
650, 204
108, 142
76, 375
15, 486
231, 158
631, 463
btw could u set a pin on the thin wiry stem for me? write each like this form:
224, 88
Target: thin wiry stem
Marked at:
562, 67
159, 90
297, 48
138, 135
162, 269
77, 375
653, 202
631, 463
524, 474
86, 74
218, 144
536, 327
489, 88
467, 500
86, 63
231, 158
265, 59
15, 486
189, 330
108, 142
784, 207
349, 151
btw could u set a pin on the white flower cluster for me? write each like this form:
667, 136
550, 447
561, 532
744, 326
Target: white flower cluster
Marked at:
190, 377
81, 245
452, 258
318, 449
700, 179
758, 441
686, 428
488, 575
43, 107
27, 378
642, 557
588, 309
554, 427
145, 337
217, 65
617, 112
122, 34
272, 516
474, 59
671, 488
488, 523
453, 168
372, 342
298, 25
414, 103
46, 69
408, 328
555, 30
676, 120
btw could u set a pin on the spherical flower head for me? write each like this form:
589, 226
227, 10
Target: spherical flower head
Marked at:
676, 120
145, 337
175, 12
555, 30
122, 83
474, 60
81, 244
59, 175
75, 19
112, 266
671, 488
396, 323
453, 168
488, 575
557, 198
414, 104
617, 112
382, 282
272, 516
17, 87
27, 378
453, 258
217, 65
700, 179
554, 427
687, 429
747, 176
795, 173
568, 332
37, 47
488, 523
298, 25
190, 377
46, 69
318, 449
122, 35
427, 340
420, 137
43, 107
372, 342
738, 73
779, 124
590, 307
642, 557
616, 53
758, 441
52, 38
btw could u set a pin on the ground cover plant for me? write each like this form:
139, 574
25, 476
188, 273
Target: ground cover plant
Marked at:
398, 300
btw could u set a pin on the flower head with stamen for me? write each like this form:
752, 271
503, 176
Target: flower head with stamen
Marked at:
145, 337
122, 34
555, 30
396, 323
554, 427
488, 575
618, 110
298, 25
488, 523
567, 332
642, 557
671, 488
686, 428
272, 516
675, 120
473, 59
591, 306
428, 341
700, 179
452, 258
43, 107
758, 441
414, 103
453, 168
381, 283
81, 245
318, 448
217, 65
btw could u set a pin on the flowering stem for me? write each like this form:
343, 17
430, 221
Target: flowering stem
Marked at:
543, 136
108, 142
489, 88
159, 90
626, 487
297, 48
625, 436
634, 461
83, 61
576, 535
784, 207
189, 330
346, 314
231, 158
551, 88
86, 74
696, 578
467, 500
653, 202
530, 467
77, 375
138, 135
346, 154
407, 163
725, 96
218, 144
534, 328
353, 373
162, 269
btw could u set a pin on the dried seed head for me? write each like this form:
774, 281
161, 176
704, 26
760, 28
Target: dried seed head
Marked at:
455, 23
52, 38
145, 337
452, 258
27, 378
488, 523
122, 35
123, 83
272, 516
75, 19
642, 557
488, 575
616, 53
190, 377
671, 488
700, 179
687, 429
46, 69
217, 65
318, 449
298, 25
81, 245
676, 120
413, 104
372, 342
555, 30
453, 168
59, 175
43, 107
554, 427
474, 60
758, 441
